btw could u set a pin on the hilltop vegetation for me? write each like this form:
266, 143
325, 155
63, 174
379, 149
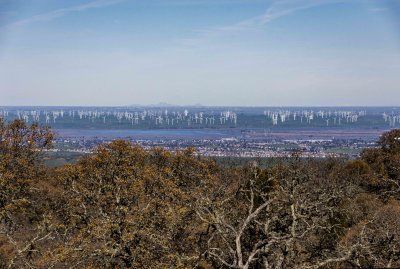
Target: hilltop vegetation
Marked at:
125, 207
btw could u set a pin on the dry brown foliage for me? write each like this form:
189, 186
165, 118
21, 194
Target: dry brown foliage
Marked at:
126, 207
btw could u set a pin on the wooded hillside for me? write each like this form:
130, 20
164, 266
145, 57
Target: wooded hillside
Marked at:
125, 207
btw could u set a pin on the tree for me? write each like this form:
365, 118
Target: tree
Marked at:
390, 141
130, 208
23, 217
385, 162
275, 219
375, 240
127, 207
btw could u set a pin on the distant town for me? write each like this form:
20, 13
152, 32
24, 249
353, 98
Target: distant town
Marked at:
217, 131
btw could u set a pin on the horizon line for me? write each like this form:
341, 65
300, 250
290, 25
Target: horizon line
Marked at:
194, 105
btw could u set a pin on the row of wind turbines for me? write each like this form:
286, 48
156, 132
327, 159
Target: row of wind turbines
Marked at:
156, 117
335, 117
185, 117
392, 119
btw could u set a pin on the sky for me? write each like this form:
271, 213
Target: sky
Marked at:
209, 52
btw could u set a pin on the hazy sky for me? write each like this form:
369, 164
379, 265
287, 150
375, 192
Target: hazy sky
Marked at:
212, 52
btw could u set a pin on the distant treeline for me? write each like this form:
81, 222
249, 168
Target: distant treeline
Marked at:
126, 207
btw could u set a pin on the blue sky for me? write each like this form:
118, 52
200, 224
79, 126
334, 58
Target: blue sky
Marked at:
213, 52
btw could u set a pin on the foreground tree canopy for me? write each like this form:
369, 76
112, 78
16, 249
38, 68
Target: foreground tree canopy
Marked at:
126, 207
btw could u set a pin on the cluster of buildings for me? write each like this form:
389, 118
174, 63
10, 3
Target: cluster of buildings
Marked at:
235, 147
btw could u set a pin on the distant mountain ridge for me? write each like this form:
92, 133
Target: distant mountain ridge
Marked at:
164, 104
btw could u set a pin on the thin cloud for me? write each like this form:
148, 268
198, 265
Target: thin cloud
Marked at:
63, 12
287, 7
277, 10
201, 2
378, 9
